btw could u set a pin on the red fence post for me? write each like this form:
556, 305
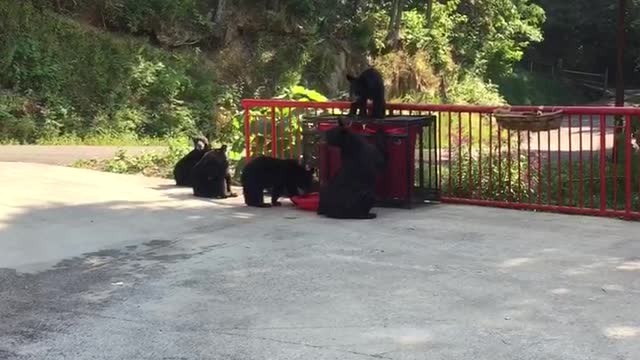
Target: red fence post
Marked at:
274, 133
247, 131
628, 157
603, 163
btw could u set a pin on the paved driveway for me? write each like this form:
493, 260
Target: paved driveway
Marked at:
66, 155
105, 266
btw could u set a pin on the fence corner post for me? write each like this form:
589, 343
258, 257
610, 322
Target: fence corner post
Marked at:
247, 130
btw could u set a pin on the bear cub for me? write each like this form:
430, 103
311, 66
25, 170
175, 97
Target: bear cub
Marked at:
184, 167
279, 176
211, 176
369, 85
350, 194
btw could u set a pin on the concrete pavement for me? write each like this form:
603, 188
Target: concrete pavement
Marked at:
106, 266
66, 155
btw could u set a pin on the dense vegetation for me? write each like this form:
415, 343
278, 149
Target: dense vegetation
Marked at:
140, 69
583, 34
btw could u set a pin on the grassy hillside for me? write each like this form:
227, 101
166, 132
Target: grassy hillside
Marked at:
61, 77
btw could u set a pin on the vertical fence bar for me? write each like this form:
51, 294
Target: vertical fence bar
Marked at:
559, 150
490, 153
256, 121
549, 168
539, 168
570, 195
274, 133
509, 187
247, 133
459, 149
282, 142
591, 169
421, 157
450, 156
438, 147
581, 169
480, 155
469, 178
264, 144
603, 164
499, 129
615, 158
290, 136
519, 171
628, 156
529, 199
299, 136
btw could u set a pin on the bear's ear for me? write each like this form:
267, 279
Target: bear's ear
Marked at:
223, 148
350, 77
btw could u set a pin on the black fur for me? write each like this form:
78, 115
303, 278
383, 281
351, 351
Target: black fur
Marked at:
367, 86
211, 177
277, 175
184, 167
350, 194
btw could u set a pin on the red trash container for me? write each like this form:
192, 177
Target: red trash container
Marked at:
396, 182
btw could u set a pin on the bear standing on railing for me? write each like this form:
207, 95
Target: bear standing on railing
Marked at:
369, 85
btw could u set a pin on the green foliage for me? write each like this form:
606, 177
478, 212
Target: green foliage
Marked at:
191, 61
525, 88
435, 37
149, 164
15, 124
473, 90
89, 83
583, 33
494, 34
504, 176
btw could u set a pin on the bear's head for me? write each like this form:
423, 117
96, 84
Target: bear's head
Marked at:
302, 176
356, 88
220, 154
201, 143
338, 136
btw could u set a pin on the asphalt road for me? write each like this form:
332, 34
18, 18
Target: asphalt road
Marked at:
107, 266
65, 155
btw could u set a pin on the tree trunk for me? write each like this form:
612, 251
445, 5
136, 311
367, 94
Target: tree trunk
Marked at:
393, 37
356, 7
429, 13
222, 7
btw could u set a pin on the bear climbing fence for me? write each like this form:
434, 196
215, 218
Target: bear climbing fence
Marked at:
589, 166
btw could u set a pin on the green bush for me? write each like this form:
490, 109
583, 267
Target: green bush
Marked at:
503, 176
473, 90
89, 83
149, 164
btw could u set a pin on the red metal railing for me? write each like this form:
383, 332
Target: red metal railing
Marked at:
590, 166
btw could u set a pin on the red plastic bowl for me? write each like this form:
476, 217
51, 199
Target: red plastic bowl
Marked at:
308, 202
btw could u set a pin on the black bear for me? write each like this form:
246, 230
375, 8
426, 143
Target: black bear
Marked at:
279, 176
368, 86
350, 194
211, 176
184, 167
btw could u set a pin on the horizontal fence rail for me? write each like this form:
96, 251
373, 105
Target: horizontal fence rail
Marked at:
589, 166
